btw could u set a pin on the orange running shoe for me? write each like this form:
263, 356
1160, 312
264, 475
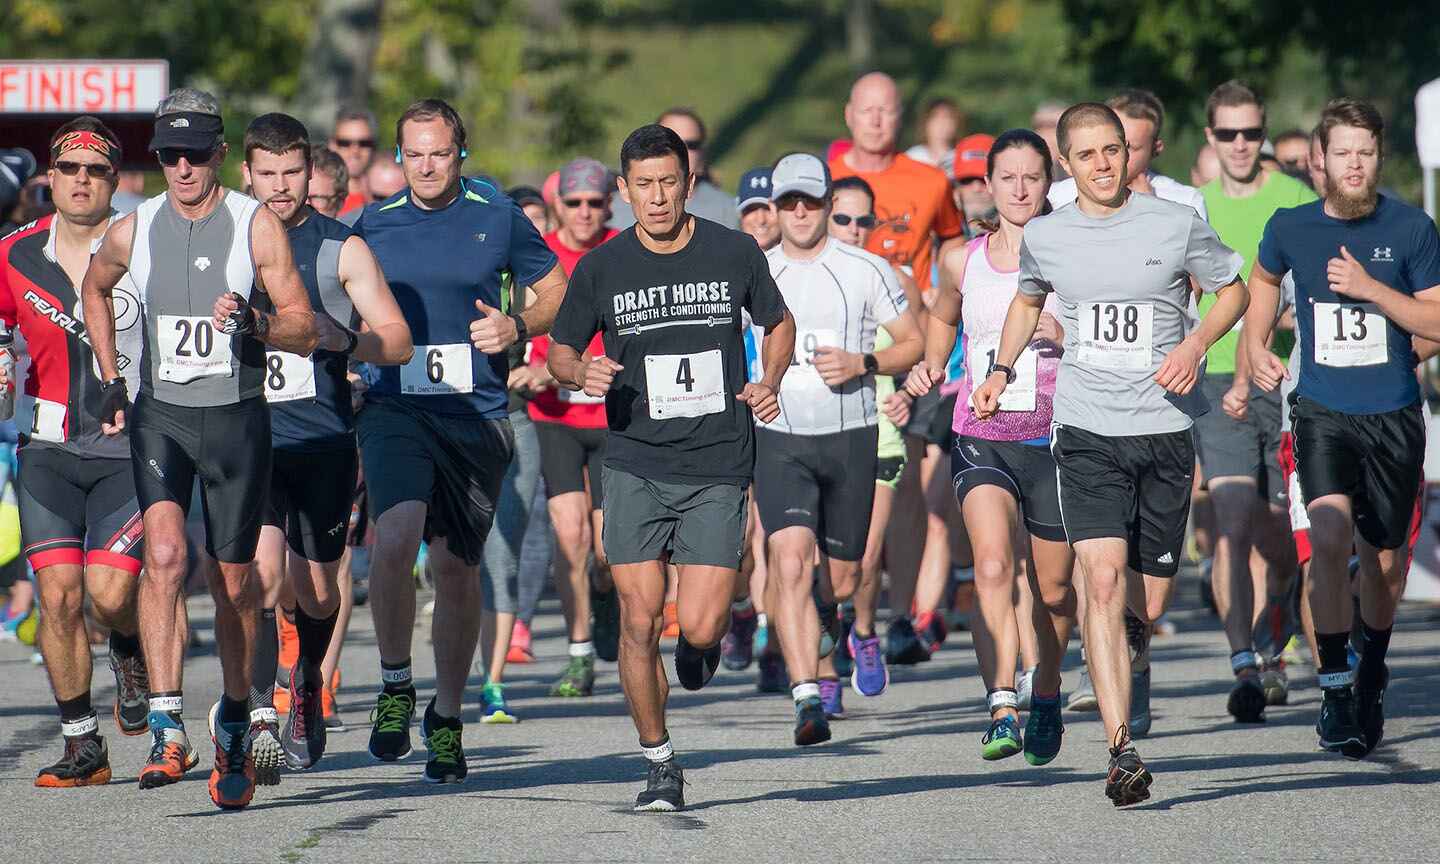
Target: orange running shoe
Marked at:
170, 757
520, 651
672, 623
232, 780
86, 763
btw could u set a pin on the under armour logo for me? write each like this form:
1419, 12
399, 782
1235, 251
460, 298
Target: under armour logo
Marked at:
760, 182
1167, 558
1382, 253
481, 237
202, 263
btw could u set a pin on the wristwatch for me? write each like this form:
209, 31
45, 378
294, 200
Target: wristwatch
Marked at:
871, 364
262, 324
1001, 367
354, 339
521, 331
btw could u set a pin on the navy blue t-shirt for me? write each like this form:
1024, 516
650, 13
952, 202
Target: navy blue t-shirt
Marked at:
1397, 244
438, 263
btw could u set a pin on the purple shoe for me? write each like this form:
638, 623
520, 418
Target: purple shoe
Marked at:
870, 677
737, 649
831, 693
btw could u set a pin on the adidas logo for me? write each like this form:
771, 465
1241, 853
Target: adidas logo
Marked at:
1167, 558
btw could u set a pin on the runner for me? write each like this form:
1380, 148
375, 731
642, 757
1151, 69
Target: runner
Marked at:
312, 481
1239, 446
972, 193
199, 412
681, 450
816, 461
706, 200
1366, 270
752, 203
78, 510
1123, 408
1002, 469
434, 436
353, 137
571, 429
328, 180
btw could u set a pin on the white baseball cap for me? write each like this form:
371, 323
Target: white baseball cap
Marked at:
800, 173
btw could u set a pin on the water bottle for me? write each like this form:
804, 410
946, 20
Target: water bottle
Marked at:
7, 362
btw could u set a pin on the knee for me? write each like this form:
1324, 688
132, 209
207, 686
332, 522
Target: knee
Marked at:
704, 629
62, 601
994, 573
640, 626
1104, 584
111, 604
240, 586
164, 555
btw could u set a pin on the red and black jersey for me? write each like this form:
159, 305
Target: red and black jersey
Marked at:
37, 296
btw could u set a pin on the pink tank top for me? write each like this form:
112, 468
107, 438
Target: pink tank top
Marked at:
1026, 407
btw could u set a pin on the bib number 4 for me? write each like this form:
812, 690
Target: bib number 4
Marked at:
685, 385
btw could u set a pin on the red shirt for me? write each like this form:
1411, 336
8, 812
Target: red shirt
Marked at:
353, 201
558, 405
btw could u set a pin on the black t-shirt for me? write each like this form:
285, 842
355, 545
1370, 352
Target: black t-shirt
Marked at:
673, 322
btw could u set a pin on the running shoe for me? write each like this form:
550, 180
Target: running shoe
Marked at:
762, 633
829, 627
447, 753
1339, 724
842, 658
132, 684
832, 694
811, 727
694, 667
333, 721
1370, 710
1140, 703
1043, 731
1083, 697
390, 725
930, 629
86, 763
1276, 684
289, 651
671, 620
1247, 699
773, 677
493, 709
232, 780
870, 676
264, 745
280, 696
1295, 653
304, 738
902, 647
578, 679
520, 644
1128, 781
1001, 740
737, 649
664, 789
1024, 686
606, 633
170, 757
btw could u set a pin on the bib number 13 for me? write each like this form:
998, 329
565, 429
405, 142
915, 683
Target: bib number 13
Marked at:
1350, 334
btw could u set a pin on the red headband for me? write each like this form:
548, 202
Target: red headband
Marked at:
82, 140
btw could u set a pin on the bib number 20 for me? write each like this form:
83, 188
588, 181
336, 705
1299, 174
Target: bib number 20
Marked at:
197, 338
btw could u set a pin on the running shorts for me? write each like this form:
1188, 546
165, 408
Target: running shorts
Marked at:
820, 482
1026, 471
1132, 487
454, 464
1241, 448
684, 523
567, 454
932, 419
311, 496
227, 447
78, 509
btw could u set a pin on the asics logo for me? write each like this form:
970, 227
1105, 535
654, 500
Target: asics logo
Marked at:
337, 529
1152, 262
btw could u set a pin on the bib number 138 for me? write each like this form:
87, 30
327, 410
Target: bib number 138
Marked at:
1116, 335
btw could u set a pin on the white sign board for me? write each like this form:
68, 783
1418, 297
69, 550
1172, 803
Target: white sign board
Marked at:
1427, 124
82, 86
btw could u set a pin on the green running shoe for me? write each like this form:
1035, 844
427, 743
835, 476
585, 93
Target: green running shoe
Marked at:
390, 725
492, 705
1002, 740
578, 679
447, 754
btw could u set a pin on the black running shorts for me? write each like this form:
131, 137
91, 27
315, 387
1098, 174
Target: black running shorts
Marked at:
455, 464
822, 482
932, 418
226, 446
311, 496
1026, 471
567, 454
1132, 487
78, 509
1377, 460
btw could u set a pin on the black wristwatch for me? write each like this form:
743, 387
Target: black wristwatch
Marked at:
1001, 367
872, 365
107, 384
521, 331
354, 340
262, 324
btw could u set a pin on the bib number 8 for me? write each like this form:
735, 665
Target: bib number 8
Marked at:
200, 335
1119, 326
275, 372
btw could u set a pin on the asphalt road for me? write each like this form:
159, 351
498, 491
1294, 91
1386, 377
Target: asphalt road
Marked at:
902, 780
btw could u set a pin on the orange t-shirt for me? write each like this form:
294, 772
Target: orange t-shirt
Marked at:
912, 207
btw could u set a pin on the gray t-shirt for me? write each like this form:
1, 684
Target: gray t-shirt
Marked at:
1125, 304
708, 202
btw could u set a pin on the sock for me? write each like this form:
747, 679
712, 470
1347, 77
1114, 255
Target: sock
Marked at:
762, 619
124, 646
165, 709
77, 717
396, 677
1332, 651
582, 649
805, 690
267, 657
233, 711
1372, 655
315, 636
661, 752
742, 606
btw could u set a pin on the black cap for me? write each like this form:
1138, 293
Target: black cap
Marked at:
523, 195
16, 166
187, 130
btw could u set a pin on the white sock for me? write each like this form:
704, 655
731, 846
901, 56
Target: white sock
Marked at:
582, 649
661, 752
804, 690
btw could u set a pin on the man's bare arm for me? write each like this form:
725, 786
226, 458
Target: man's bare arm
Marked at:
384, 337
548, 292
106, 269
292, 326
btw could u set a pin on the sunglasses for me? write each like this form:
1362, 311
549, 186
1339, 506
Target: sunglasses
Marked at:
171, 156
1250, 133
70, 169
346, 143
338, 196
843, 219
577, 203
695, 144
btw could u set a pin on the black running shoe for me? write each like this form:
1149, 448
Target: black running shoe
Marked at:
664, 789
1129, 780
304, 734
390, 725
132, 686
902, 646
447, 752
695, 666
811, 727
1370, 708
606, 633
1339, 724
830, 629
1247, 700
86, 763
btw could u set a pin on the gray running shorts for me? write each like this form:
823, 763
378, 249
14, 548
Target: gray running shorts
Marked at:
646, 520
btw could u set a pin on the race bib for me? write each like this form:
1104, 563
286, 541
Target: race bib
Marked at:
1350, 334
1019, 394
438, 370
288, 377
802, 372
48, 422
685, 385
1115, 335
191, 348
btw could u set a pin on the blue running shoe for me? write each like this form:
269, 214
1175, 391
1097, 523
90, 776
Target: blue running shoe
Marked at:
1043, 730
832, 694
493, 709
870, 676
1001, 740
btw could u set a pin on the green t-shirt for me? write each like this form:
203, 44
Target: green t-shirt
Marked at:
1240, 222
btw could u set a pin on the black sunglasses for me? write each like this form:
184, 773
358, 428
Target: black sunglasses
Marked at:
355, 142
843, 219
695, 144
1250, 133
70, 169
576, 203
171, 156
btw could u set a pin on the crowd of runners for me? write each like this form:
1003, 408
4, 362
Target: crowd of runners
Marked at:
1004, 382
